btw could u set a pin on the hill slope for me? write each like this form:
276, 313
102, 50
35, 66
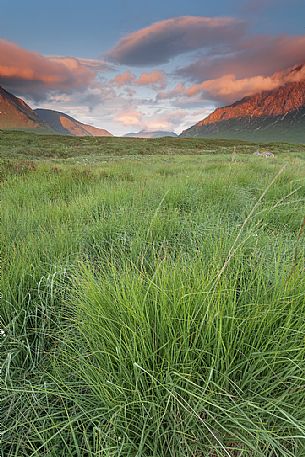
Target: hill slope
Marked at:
150, 134
66, 125
276, 115
16, 114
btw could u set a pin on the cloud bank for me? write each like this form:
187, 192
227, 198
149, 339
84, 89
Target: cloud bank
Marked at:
30, 73
258, 55
228, 88
163, 40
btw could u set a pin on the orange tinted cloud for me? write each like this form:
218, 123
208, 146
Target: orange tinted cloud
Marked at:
129, 118
228, 88
124, 79
163, 40
31, 73
259, 55
153, 78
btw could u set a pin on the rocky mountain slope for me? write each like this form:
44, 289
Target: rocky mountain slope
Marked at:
16, 114
275, 115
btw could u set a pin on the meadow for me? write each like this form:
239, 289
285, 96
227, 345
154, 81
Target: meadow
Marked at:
152, 298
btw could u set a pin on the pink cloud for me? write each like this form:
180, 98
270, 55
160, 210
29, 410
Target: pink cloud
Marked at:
260, 55
129, 118
30, 73
124, 78
228, 88
163, 40
153, 78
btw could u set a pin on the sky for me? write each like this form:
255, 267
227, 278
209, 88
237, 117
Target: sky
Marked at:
131, 65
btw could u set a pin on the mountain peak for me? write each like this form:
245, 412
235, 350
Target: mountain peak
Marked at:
16, 114
262, 114
276, 102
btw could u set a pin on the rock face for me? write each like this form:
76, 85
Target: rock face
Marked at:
63, 124
153, 134
16, 114
263, 154
276, 115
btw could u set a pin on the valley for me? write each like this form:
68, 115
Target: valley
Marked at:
159, 278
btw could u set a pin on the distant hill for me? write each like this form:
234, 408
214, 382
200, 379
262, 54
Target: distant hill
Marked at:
152, 134
63, 124
275, 115
16, 114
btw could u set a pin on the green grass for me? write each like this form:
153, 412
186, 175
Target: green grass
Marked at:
152, 298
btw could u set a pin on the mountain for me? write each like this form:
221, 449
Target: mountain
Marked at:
16, 114
274, 115
150, 134
63, 124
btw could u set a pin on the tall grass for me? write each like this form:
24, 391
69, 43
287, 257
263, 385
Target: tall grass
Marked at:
153, 307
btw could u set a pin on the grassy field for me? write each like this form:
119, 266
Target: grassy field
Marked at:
153, 298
